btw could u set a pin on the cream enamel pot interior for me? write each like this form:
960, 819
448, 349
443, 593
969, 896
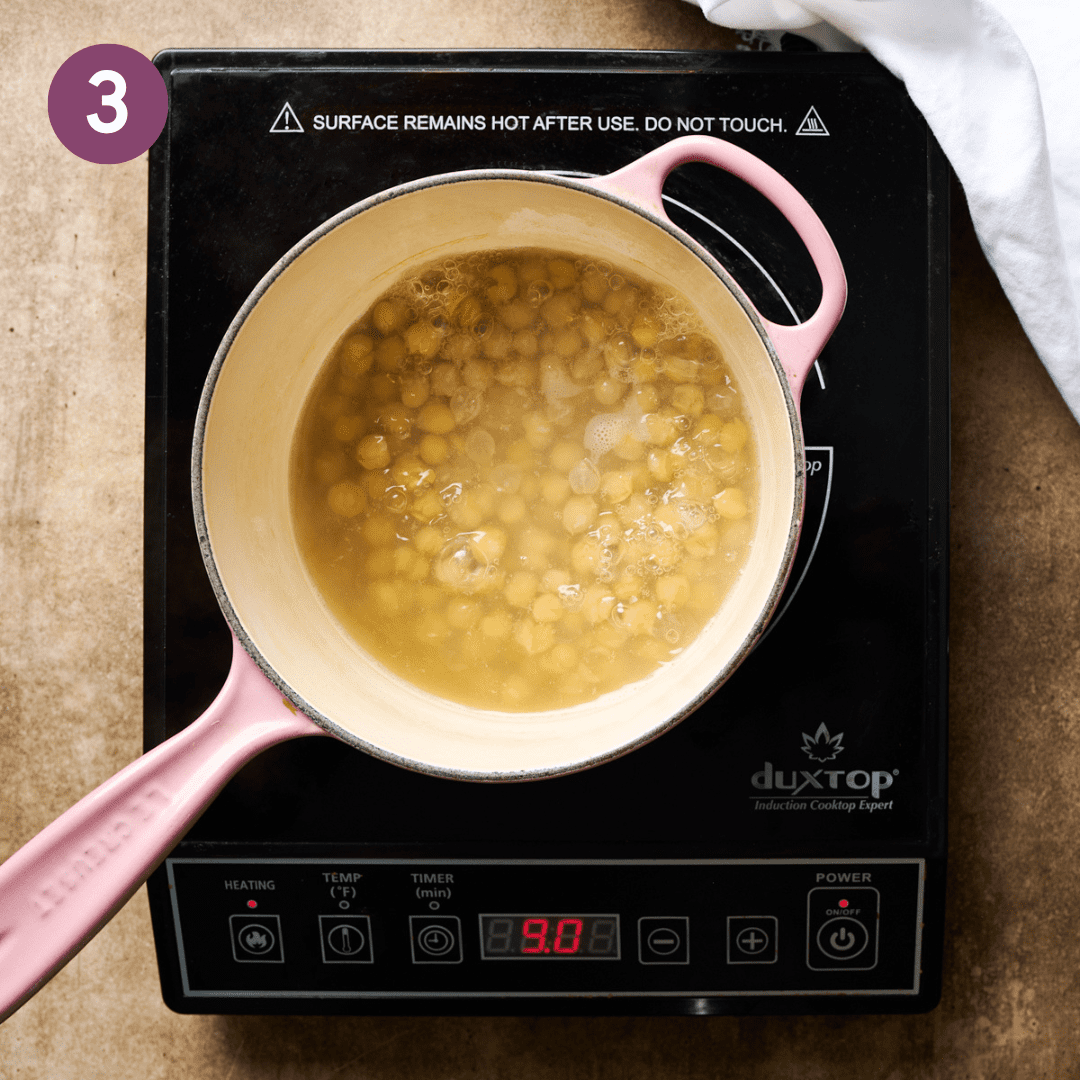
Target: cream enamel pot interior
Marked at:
292, 662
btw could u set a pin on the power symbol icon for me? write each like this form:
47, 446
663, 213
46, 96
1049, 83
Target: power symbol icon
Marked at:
843, 938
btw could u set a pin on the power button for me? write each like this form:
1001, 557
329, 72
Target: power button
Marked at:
842, 929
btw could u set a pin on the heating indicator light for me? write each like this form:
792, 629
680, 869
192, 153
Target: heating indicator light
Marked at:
843, 903
253, 903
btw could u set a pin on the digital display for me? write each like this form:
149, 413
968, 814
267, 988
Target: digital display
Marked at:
549, 937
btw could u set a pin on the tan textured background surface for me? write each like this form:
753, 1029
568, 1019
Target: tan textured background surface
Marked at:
72, 238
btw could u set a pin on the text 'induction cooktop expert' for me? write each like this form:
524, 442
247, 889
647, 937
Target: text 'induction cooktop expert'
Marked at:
780, 850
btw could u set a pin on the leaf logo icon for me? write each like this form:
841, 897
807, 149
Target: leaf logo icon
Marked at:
821, 746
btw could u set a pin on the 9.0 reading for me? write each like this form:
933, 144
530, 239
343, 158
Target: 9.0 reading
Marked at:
551, 937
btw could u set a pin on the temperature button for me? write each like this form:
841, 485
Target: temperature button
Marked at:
842, 929
664, 939
345, 939
436, 939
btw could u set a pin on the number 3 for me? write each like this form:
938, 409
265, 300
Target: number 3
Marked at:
115, 101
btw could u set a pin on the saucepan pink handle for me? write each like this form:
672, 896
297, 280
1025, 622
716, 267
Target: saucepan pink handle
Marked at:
642, 181
66, 883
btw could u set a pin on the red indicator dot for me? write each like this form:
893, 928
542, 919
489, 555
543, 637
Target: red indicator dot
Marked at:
255, 903
548, 949
843, 903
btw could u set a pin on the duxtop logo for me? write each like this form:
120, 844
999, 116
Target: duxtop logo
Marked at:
799, 786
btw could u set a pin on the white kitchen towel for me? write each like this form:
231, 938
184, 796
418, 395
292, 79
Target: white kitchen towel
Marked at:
999, 83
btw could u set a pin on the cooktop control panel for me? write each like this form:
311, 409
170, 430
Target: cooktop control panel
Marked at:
384, 928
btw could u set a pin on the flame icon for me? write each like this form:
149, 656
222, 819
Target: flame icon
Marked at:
256, 941
821, 746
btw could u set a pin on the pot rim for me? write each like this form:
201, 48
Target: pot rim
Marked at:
733, 660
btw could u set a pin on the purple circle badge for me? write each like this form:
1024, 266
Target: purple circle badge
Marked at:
108, 104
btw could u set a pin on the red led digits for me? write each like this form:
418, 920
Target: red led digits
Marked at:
549, 937
537, 937
573, 927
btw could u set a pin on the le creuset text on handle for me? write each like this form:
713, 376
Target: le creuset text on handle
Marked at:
58, 890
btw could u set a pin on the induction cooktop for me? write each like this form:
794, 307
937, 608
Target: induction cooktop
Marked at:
781, 850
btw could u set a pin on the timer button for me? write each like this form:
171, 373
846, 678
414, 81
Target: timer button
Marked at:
664, 939
436, 939
752, 939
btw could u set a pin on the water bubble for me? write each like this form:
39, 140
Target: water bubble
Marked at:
616, 282
538, 292
396, 500
460, 566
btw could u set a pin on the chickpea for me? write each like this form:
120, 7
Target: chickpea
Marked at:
526, 344
517, 316
587, 365
505, 284
373, 452
597, 604
534, 637
428, 540
733, 436
415, 390
478, 375
461, 614
330, 466
390, 354
427, 507
594, 285
434, 449
640, 617
579, 514
460, 349
423, 340
615, 487
496, 626
396, 421
554, 488
389, 315
539, 430
347, 499
411, 473
346, 428
435, 418
673, 590
356, 355
731, 504
607, 390
444, 380
547, 608
689, 400
562, 273
512, 510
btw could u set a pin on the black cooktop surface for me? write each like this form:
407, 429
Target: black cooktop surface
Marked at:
828, 742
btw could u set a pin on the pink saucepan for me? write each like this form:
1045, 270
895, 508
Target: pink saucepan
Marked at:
295, 671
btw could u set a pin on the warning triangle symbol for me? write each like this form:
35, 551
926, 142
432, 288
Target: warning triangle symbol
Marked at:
812, 124
287, 122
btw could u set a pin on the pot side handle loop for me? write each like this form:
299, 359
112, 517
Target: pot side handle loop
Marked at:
59, 889
642, 181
